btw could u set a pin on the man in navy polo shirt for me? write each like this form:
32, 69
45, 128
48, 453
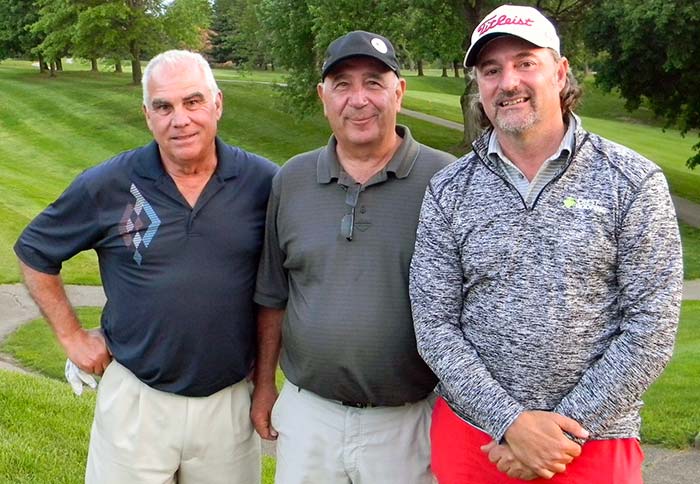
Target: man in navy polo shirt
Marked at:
178, 228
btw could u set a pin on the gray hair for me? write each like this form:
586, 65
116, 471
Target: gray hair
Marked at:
173, 58
570, 95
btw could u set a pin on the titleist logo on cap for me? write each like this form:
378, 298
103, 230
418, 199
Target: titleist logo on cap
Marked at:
493, 22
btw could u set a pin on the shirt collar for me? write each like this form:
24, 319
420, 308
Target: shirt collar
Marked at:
328, 166
149, 164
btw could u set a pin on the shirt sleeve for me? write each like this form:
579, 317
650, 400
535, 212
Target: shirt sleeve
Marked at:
436, 299
66, 227
272, 287
650, 278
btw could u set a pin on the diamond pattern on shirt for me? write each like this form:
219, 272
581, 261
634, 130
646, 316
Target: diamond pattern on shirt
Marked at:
139, 224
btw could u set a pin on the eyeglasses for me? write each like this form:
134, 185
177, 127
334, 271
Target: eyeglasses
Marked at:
347, 223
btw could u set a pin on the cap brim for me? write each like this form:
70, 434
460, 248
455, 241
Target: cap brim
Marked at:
474, 49
333, 64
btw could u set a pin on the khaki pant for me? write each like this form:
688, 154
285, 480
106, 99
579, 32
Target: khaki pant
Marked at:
323, 442
141, 435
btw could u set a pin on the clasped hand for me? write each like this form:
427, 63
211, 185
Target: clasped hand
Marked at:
536, 445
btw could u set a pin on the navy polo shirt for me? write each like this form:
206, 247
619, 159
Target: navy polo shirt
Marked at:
179, 280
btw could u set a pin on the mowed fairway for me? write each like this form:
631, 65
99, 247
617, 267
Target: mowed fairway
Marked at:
601, 113
51, 129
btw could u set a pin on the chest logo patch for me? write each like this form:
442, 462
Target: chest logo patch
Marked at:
139, 224
585, 204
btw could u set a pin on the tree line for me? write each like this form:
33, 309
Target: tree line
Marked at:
646, 49
49, 30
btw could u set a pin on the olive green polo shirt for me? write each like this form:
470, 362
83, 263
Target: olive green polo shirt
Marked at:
347, 333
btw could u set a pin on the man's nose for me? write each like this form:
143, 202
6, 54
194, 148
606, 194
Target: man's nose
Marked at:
358, 96
180, 117
510, 79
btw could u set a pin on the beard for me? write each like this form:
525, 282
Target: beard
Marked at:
518, 122
515, 122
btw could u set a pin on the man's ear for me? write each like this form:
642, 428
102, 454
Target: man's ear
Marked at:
400, 91
320, 91
219, 104
146, 115
562, 70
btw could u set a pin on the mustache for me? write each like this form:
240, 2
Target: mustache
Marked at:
509, 95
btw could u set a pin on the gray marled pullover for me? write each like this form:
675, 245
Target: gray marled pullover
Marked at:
570, 306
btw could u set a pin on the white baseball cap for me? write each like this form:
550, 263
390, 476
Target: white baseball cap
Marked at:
524, 22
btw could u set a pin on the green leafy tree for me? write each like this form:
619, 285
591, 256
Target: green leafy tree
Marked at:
223, 48
421, 29
56, 26
16, 37
185, 24
238, 36
120, 28
300, 31
137, 25
651, 52
435, 31
293, 46
95, 33
255, 39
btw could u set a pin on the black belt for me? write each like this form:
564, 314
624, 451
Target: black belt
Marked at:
344, 403
358, 404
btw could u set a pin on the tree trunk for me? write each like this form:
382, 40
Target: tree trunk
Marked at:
135, 71
59, 65
444, 71
419, 64
118, 65
472, 11
456, 67
42, 65
93, 65
52, 69
135, 63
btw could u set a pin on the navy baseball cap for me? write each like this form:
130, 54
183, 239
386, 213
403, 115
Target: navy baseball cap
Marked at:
360, 43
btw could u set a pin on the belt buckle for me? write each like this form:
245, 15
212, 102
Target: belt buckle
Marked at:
356, 404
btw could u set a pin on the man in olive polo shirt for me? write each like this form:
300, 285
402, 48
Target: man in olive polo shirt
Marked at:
333, 281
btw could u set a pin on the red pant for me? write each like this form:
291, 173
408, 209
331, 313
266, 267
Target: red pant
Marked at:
457, 459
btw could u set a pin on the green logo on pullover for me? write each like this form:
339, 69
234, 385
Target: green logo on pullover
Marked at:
585, 204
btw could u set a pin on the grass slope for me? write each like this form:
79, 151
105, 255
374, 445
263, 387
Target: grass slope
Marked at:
44, 428
671, 416
52, 129
603, 113
691, 251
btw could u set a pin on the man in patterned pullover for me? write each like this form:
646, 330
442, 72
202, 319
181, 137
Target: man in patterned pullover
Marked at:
546, 280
